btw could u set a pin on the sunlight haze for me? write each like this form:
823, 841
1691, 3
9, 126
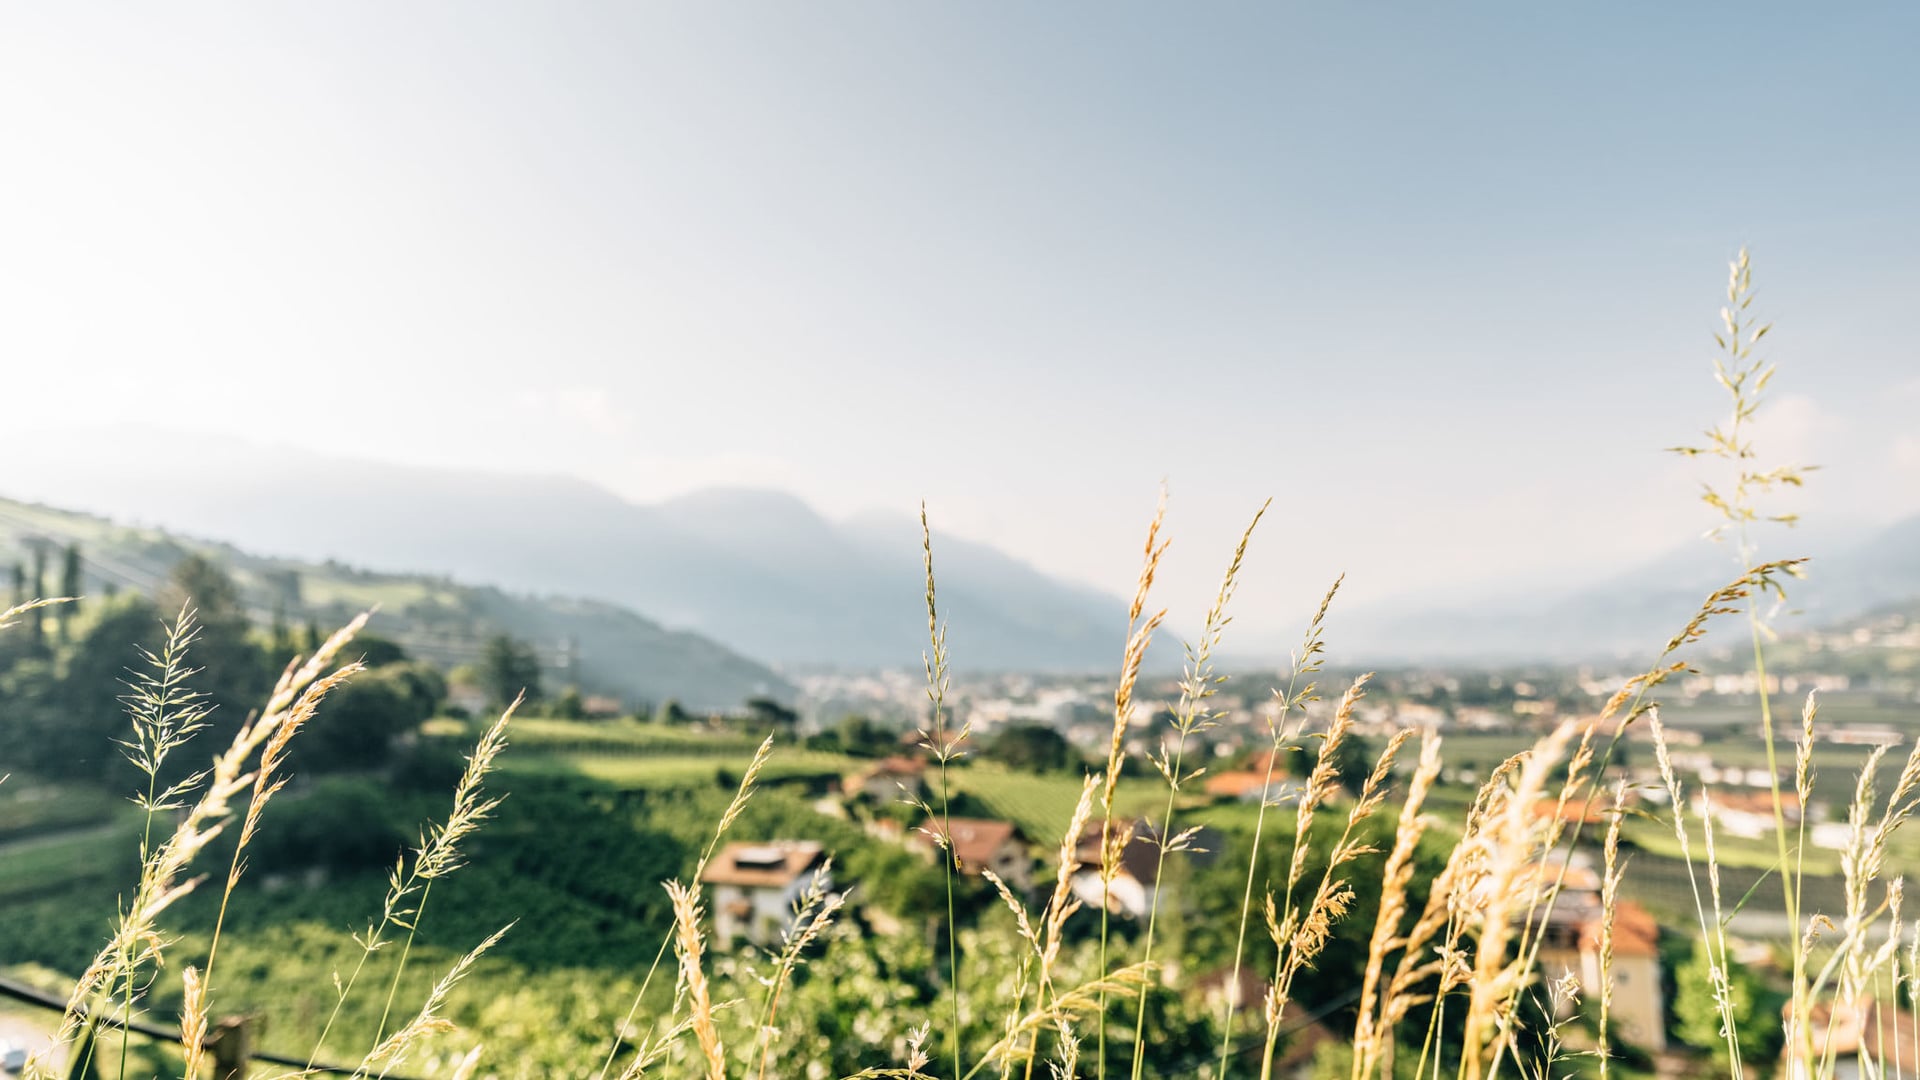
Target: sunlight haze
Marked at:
1416, 272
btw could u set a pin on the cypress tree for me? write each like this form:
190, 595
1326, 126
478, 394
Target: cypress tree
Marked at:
70, 587
37, 618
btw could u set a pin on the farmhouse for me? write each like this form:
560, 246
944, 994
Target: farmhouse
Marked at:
755, 887
1571, 944
887, 780
982, 844
1136, 880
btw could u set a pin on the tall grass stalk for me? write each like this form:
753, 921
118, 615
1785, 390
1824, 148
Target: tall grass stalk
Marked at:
438, 855
1306, 661
944, 749
392, 1050
166, 713
742, 792
1044, 943
1745, 377
137, 940
1373, 1031
1140, 629
1198, 684
267, 783
1712, 929
813, 912
1301, 931
1612, 869
1624, 707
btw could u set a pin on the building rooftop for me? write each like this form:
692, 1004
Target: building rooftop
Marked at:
975, 840
766, 865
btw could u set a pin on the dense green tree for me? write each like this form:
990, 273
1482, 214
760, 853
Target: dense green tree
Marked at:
508, 669
1219, 886
670, 712
62, 714
861, 737
105, 647
423, 684
280, 641
32, 726
355, 728
339, 825
1033, 747
37, 618
1697, 1015
890, 876
569, 705
376, 651
764, 712
235, 674
855, 736
1353, 761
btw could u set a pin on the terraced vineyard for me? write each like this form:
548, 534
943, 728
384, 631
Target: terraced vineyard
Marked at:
1043, 804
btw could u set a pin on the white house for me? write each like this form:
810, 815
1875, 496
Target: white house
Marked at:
1135, 889
755, 887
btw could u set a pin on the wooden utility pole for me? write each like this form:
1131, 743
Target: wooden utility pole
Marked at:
232, 1044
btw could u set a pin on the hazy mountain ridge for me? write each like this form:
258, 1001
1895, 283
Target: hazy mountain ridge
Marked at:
1629, 614
765, 574
602, 647
759, 571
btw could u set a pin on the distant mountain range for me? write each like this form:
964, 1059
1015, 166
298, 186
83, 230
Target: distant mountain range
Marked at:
1633, 613
601, 647
767, 576
759, 571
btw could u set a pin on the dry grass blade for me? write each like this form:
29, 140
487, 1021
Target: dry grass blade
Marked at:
1073, 1004
1509, 846
8, 615
393, 1050
812, 914
1370, 1035
136, 940
1140, 630
690, 946
1612, 870
1198, 684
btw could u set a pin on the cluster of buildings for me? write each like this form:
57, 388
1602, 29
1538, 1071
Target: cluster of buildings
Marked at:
755, 886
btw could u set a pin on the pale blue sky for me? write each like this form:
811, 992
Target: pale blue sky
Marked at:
1443, 272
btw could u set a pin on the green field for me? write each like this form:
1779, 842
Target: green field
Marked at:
1042, 804
29, 808
64, 860
625, 736
629, 772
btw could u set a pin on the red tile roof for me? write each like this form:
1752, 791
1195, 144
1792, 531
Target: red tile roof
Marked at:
975, 840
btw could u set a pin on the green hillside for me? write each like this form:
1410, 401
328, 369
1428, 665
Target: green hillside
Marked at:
602, 648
